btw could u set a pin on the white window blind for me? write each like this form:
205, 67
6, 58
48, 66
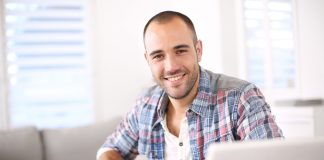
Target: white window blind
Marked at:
270, 43
47, 50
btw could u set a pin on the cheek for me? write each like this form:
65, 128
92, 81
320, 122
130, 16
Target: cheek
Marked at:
156, 70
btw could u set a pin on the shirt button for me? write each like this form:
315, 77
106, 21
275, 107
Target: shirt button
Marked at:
180, 144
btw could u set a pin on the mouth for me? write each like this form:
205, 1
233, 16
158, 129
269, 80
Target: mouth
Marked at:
174, 78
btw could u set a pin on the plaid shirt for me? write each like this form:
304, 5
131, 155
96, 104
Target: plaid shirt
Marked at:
225, 109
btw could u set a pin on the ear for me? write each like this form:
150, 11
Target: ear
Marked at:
146, 58
199, 49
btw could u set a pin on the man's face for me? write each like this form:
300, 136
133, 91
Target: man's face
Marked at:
173, 57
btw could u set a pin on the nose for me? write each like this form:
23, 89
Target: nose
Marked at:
171, 64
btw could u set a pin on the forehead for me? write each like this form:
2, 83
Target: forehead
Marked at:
173, 31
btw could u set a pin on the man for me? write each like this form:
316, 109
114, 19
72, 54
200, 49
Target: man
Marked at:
190, 107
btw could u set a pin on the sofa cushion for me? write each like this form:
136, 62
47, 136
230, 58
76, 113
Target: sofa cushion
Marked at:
20, 144
79, 143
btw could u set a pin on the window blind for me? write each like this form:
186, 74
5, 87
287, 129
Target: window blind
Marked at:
270, 43
47, 52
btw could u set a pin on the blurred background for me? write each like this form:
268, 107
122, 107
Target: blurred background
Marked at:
69, 63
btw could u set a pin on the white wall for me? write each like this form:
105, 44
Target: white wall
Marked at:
310, 22
121, 71
230, 32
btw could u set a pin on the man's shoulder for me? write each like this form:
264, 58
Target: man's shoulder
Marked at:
150, 96
225, 82
152, 91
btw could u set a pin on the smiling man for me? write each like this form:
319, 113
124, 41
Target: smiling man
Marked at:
190, 107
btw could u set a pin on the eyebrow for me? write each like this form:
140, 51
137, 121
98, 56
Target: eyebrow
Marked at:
175, 47
155, 52
181, 46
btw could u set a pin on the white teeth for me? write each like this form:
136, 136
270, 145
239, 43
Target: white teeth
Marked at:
174, 78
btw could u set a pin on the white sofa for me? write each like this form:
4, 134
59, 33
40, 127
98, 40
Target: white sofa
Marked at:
80, 143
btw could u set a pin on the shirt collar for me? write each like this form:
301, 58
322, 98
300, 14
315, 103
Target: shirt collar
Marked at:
201, 103
162, 106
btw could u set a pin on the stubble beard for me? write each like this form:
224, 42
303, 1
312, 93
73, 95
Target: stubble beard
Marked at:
189, 86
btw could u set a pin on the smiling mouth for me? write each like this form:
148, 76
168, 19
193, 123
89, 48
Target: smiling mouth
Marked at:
174, 78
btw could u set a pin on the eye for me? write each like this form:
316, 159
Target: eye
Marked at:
180, 51
157, 57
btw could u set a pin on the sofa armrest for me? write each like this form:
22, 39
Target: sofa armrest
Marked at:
20, 144
79, 143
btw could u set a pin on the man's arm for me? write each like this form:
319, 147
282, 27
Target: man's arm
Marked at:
255, 118
122, 143
110, 155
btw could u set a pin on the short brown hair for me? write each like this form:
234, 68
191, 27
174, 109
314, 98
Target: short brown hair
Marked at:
167, 16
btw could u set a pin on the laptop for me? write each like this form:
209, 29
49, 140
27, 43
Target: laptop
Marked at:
275, 149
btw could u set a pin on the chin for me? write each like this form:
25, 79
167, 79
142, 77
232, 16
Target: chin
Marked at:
177, 95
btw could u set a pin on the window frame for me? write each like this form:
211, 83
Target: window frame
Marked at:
4, 116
